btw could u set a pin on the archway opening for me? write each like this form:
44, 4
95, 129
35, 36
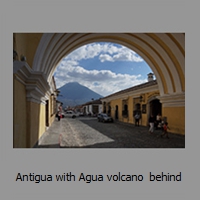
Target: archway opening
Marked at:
155, 107
103, 67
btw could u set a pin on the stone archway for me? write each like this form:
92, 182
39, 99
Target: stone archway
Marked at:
163, 52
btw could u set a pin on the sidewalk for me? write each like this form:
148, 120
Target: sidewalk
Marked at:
50, 138
71, 133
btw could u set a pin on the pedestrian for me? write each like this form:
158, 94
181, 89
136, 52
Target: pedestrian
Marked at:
59, 113
158, 120
137, 119
58, 116
151, 124
165, 128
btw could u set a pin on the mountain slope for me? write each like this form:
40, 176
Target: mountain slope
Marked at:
75, 94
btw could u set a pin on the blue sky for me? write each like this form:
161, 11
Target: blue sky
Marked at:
102, 67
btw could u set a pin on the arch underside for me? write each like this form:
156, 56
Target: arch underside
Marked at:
163, 52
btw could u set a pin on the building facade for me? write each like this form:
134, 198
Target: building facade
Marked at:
93, 107
143, 99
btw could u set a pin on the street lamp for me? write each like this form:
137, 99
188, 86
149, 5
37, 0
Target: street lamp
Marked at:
142, 98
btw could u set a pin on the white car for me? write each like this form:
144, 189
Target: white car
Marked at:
70, 114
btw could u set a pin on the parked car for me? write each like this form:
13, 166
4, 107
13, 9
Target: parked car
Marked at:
103, 117
71, 114
81, 114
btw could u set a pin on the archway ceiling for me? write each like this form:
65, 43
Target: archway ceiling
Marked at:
164, 53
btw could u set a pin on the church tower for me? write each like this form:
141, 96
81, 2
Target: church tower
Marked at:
150, 77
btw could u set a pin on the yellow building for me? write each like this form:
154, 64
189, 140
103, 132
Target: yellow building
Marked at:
143, 99
36, 56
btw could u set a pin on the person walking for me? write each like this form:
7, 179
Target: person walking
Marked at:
151, 124
58, 115
137, 119
165, 128
158, 120
59, 112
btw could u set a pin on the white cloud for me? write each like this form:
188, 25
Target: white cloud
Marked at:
105, 57
104, 82
121, 56
106, 52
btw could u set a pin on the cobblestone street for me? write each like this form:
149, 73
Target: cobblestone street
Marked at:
86, 132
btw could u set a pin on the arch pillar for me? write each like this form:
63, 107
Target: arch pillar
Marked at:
31, 90
173, 107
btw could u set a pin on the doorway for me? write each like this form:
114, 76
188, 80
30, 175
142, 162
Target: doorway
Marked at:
47, 113
155, 107
116, 112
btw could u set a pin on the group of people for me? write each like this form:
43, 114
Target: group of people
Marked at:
158, 123
154, 123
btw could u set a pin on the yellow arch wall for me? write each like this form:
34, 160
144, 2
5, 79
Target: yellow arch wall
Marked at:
29, 118
35, 122
26, 44
176, 119
19, 115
